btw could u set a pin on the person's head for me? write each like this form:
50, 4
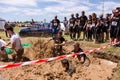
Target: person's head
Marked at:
118, 8
94, 15
72, 15
83, 13
65, 63
101, 16
10, 30
60, 34
107, 15
90, 17
76, 46
77, 15
55, 17
65, 18
117, 12
113, 11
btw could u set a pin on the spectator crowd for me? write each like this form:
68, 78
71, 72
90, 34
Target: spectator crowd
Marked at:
94, 28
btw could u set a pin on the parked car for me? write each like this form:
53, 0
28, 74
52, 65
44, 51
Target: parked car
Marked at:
36, 30
39, 29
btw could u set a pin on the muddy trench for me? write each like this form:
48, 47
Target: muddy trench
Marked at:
103, 66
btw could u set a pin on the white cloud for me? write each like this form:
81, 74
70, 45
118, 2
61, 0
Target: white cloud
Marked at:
66, 7
19, 2
8, 9
35, 8
108, 5
32, 12
53, 9
78, 9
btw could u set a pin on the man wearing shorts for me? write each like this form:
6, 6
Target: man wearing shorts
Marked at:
71, 24
83, 20
76, 27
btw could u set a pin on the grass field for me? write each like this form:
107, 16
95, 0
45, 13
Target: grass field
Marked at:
111, 50
89, 45
3, 36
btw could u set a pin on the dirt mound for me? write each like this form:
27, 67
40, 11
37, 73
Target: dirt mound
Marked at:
111, 57
99, 69
41, 49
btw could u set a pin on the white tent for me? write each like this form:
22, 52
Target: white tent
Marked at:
2, 23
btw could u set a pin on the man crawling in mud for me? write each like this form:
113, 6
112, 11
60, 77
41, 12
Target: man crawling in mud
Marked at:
69, 67
77, 49
59, 41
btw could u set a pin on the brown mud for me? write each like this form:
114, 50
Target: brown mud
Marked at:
102, 66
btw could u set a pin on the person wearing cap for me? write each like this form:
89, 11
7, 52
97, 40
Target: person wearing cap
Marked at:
71, 24
55, 24
69, 67
77, 49
16, 45
3, 55
59, 41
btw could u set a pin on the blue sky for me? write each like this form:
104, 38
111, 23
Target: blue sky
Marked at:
22, 10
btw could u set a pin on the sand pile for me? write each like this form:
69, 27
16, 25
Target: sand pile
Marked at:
99, 69
41, 49
44, 49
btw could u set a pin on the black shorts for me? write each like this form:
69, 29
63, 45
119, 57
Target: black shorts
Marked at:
71, 29
117, 31
98, 30
112, 29
76, 29
81, 28
104, 29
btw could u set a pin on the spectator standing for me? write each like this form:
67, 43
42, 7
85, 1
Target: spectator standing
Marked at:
83, 19
55, 23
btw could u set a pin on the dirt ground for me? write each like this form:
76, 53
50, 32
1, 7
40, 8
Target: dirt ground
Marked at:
99, 69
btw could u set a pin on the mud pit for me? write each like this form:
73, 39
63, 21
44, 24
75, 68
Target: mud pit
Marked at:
99, 69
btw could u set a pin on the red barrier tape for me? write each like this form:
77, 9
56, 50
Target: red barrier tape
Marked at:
53, 58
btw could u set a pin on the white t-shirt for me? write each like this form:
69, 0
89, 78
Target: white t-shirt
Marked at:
2, 43
16, 39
